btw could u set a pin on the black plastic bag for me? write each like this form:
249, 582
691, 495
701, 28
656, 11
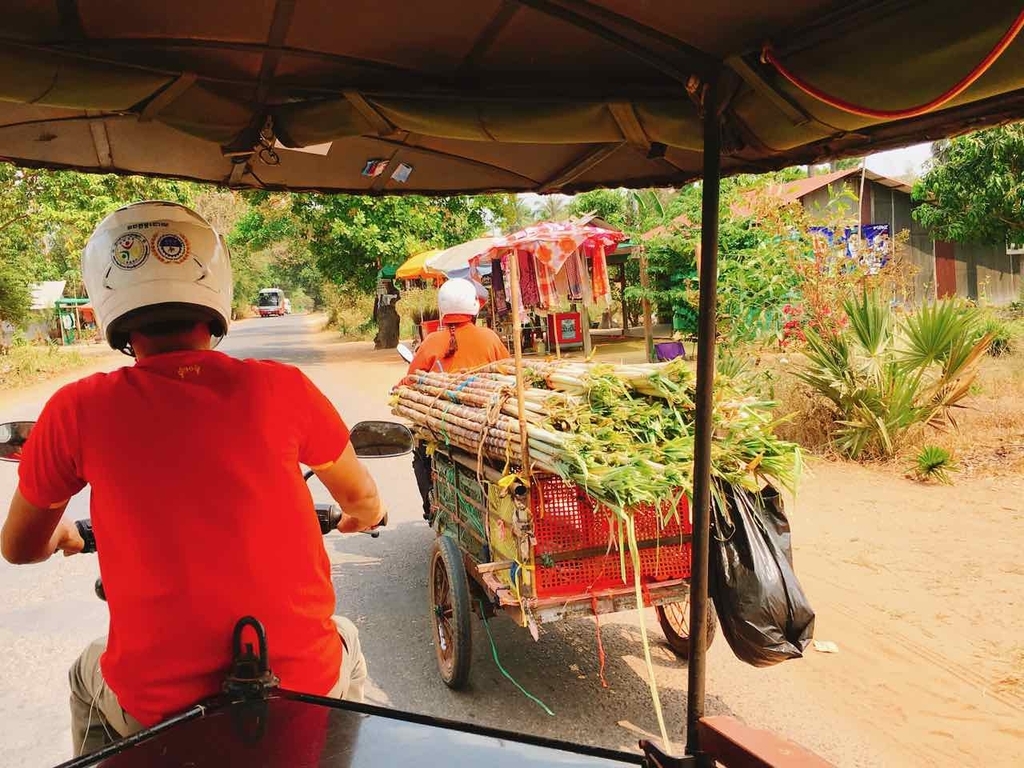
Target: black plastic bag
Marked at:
764, 613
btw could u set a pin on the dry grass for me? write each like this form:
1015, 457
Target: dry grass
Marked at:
30, 363
808, 418
350, 313
989, 440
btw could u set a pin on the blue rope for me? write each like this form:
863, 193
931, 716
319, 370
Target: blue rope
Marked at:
494, 652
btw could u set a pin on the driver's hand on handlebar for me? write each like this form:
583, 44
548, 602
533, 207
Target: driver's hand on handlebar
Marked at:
67, 539
351, 524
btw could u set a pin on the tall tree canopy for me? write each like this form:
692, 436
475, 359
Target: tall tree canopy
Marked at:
974, 189
352, 236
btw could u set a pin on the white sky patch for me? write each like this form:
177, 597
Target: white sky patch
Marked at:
908, 161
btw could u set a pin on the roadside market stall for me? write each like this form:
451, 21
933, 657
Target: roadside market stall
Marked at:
556, 273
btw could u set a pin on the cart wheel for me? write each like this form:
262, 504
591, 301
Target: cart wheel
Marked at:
674, 619
449, 612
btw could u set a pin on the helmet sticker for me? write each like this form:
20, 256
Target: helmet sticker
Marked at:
170, 247
130, 251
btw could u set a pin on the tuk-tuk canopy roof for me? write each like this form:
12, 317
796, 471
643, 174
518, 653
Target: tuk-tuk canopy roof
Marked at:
454, 96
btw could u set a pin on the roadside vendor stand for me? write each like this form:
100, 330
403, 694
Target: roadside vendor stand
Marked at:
554, 272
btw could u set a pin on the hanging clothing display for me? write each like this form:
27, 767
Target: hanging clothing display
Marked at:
546, 289
528, 279
599, 270
562, 291
501, 305
574, 272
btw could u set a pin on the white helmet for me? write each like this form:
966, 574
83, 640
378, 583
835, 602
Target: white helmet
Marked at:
156, 262
457, 297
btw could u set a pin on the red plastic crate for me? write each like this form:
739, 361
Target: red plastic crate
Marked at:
566, 519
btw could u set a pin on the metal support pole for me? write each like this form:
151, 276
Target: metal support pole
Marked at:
703, 420
588, 345
622, 287
645, 305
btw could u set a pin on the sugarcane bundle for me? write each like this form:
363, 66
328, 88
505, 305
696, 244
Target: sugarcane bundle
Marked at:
624, 433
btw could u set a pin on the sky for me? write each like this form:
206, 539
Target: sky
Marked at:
901, 162
908, 161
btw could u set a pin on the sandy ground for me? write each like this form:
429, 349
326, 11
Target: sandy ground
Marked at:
920, 587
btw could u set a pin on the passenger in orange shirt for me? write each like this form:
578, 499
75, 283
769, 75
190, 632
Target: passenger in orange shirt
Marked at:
460, 345
198, 503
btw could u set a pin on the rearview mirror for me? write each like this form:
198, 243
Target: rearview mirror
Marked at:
405, 352
380, 439
12, 437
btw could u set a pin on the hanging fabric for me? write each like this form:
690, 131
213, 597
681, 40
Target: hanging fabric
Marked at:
574, 272
599, 270
501, 304
528, 279
585, 281
554, 252
546, 288
562, 286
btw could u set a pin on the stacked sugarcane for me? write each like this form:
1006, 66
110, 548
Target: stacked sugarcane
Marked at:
623, 432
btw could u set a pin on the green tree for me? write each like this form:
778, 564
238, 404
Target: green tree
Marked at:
46, 218
974, 189
612, 205
351, 237
508, 212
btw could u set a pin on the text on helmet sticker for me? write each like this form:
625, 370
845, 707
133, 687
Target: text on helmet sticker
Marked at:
148, 224
130, 251
170, 247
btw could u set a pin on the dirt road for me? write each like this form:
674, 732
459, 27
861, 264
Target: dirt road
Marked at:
922, 589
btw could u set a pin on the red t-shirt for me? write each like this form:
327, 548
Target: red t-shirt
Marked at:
201, 517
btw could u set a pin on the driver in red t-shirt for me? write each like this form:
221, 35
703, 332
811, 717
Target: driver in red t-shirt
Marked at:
198, 504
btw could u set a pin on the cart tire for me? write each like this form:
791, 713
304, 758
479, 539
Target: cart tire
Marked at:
450, 612
674, 619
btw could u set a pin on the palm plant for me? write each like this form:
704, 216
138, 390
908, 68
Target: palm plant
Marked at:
934, 463
553, 208
884, 375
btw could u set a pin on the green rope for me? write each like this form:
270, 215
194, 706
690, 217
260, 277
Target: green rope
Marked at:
494, 652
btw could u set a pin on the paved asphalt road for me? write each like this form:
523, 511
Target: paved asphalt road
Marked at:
48, 612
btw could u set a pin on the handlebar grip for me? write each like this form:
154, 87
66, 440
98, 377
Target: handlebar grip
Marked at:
328, 515
85, 531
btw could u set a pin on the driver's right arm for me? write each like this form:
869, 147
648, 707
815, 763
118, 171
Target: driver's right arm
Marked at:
48, 477
31, 534
325, 448
354, 489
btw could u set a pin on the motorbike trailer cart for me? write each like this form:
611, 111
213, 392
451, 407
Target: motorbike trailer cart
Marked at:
541, 554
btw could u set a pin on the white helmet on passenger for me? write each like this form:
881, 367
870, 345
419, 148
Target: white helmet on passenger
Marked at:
457, 297
156, 264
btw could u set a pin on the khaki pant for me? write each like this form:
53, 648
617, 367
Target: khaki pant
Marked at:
97, 718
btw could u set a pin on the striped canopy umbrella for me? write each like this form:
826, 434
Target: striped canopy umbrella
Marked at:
415, 268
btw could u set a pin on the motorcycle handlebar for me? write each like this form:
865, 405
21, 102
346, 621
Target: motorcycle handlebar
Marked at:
85, 531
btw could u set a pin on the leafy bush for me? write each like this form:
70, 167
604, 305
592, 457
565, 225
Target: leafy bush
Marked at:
934, 463
886, 375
